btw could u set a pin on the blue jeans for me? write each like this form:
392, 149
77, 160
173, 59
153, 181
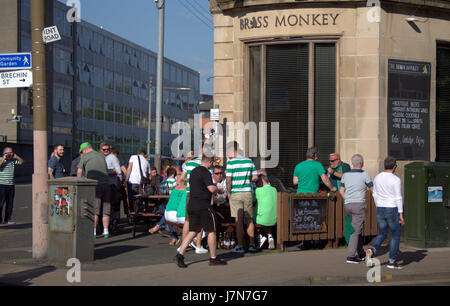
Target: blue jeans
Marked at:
388, 218
169, 227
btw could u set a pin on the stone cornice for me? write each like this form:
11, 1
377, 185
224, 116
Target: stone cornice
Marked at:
218, 6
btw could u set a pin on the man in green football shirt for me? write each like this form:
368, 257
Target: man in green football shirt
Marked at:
308, 173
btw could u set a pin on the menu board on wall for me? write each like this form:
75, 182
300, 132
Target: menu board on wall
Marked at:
408, 112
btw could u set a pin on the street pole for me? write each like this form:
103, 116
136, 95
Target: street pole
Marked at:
159, 83
40, 184
149, 116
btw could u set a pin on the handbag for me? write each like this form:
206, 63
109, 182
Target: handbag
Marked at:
144, 180
145, 188
118, 183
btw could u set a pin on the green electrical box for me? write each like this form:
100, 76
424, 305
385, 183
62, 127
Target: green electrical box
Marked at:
427, 204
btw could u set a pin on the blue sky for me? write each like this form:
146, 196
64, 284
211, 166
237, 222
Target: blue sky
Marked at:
189, 35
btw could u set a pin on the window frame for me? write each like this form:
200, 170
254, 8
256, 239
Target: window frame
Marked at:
311, 111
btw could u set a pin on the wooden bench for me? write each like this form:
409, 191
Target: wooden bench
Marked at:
231, 226
141, 206
177, 227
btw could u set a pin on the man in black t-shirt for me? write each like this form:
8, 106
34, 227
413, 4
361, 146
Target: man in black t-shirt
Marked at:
199, 210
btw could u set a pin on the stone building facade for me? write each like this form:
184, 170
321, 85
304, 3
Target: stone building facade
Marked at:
346, 76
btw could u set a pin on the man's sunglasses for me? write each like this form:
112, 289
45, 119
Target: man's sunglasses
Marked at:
104, 150
218, 173
333, 160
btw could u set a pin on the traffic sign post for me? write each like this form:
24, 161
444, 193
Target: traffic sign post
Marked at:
214, 114
11, 61
20, 78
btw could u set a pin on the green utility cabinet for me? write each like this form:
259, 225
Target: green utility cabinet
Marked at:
71, 219
427, 204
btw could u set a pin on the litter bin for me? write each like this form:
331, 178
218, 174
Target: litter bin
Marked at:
427, 204
71, 219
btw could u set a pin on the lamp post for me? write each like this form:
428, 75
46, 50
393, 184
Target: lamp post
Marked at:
150, 109
40, 185
149, 116
160, 4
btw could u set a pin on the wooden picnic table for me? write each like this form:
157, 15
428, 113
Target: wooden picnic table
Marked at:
141, 209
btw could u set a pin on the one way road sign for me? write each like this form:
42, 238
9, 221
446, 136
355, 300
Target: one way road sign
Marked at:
12, 61
21, 78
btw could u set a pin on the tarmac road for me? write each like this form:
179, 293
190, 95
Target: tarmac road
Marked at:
148, 260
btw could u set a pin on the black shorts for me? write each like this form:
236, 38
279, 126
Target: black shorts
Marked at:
202, 219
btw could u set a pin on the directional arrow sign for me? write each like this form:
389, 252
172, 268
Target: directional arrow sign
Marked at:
20, 78
11, 61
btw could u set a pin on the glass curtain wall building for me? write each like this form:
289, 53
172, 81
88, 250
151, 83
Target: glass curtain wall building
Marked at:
98, 87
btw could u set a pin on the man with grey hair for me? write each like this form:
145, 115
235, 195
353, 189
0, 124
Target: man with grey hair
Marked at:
353, 190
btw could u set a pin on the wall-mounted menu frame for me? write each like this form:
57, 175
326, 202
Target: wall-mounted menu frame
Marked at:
408, 109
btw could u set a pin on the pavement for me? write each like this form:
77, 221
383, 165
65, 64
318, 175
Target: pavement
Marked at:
147, 260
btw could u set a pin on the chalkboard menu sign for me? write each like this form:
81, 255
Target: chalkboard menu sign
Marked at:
408, 110
309, 215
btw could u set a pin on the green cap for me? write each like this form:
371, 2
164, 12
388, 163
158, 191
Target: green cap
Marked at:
84, 145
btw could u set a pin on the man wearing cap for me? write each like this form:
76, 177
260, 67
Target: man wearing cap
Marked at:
94, 166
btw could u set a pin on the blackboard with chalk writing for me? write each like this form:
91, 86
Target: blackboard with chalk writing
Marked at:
309, 215
408, 109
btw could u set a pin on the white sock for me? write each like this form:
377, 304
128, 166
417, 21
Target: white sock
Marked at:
105, 231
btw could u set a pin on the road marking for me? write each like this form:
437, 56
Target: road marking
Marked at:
409, 282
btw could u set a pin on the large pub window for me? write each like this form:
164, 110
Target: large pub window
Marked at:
443, 102
294, 84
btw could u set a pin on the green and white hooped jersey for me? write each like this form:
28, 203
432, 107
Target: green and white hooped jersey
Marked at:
241, 170
188, 167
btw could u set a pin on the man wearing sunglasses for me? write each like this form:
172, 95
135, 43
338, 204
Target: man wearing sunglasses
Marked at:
336, 169
115, 180
219, 180
335, 172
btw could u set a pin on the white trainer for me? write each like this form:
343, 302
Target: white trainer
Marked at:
271, 243
201, 250
262, 240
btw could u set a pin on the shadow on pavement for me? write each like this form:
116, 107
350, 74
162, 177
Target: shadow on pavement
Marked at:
224, 256
17, 226
405, 258
410, 257
114, 251
230, 256
23, 278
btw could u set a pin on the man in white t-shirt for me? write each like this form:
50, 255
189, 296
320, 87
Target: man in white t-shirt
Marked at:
134, 174
387, 193
219, 180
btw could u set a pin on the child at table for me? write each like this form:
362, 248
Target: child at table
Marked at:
171, 179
